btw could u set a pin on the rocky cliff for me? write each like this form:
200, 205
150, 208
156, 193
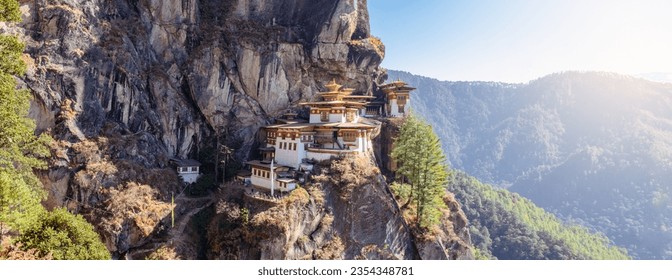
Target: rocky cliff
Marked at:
125, 85
181, 69
346, 212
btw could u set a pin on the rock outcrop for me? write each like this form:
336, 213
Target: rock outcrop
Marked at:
346, 212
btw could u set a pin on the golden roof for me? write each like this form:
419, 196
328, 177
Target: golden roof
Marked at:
333, 86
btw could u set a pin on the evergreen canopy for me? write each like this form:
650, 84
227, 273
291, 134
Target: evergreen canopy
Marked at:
422, 165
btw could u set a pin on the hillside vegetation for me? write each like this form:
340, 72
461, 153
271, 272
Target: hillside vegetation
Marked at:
505, 225
590, 147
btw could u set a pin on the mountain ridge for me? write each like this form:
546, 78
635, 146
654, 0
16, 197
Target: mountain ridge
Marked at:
588, 146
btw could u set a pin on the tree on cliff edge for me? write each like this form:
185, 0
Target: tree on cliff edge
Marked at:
422, 165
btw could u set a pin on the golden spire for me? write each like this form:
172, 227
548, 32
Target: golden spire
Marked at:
333, 86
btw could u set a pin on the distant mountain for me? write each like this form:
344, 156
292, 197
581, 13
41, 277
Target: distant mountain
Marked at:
592, 147
657, 77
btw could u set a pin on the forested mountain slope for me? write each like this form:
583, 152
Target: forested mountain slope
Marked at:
591, 147
504, 225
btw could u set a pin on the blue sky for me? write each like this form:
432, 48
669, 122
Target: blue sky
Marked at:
518, 41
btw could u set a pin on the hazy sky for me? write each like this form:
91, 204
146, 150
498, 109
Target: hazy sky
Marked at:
518, 41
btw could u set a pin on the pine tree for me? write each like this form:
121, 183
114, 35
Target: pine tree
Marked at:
405, 150
60, 233
20, 150
422, 165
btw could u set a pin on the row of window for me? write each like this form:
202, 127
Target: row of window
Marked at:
261, 173
272, 135
306, 138
187, 169
349, 136
287, 146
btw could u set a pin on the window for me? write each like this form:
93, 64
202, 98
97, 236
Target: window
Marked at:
350, 116
194, 169
349, 136
401, 109
324, 116
401, 100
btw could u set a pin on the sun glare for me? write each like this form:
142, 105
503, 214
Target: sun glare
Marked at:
517, 41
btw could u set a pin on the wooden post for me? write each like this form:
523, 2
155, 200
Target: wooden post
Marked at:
272, 181
217, 158
172, 207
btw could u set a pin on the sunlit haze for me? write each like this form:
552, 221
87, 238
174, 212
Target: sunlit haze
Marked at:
518, 41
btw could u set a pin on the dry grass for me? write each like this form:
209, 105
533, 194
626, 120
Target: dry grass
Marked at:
139, 203
299, 195
87, 151
67, 110
333, 250
164, 253
317, 194
372, 43
327, 221
11, 251
348, 174
272, 221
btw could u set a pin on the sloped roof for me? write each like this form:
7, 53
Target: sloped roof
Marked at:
185, 162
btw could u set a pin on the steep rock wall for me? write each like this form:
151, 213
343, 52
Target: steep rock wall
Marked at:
159, 77
345, 212
178, 69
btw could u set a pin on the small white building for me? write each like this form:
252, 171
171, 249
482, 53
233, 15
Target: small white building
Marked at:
276, 178
398, 98
187, 169
244, 176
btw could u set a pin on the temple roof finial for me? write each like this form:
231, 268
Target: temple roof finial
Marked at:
333, 86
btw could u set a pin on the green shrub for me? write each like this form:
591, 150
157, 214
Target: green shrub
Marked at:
66, 236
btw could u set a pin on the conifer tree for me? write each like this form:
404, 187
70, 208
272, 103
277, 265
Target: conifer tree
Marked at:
20, 149
60, 233
422, 165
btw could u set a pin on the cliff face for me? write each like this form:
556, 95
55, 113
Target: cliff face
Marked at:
136, 82
178, 69
346, 212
